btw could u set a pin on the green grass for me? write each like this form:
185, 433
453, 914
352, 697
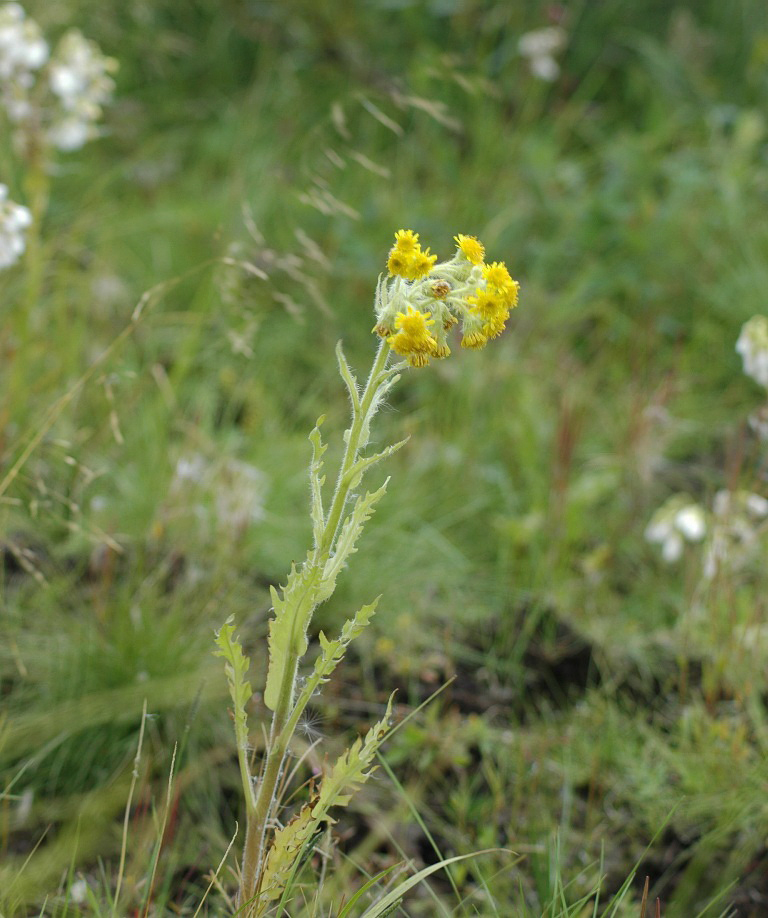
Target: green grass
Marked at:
596, 726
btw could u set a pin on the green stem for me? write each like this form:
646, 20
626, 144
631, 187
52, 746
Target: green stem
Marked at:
350, 453
284, 719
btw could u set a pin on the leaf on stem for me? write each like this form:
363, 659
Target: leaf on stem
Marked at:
348, 376
365, 463
288, 628
332, 652
351, 770
350, 532
316, 482
236, 669
286, 848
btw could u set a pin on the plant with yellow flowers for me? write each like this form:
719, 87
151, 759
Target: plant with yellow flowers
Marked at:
421, 301
416, 307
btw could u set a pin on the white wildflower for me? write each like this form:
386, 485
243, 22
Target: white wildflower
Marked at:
15, 220
753, 348
22, 46
690, 521
80, 82
23, 51
678, 521
736, 530
190, 469
540, 47
78, 891
229, 494
57, 98
240, 493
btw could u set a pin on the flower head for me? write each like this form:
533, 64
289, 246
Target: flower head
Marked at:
413, 338
471, 248
406, 241
54, 98
676, 522
14, 222
406, 259
422, 299
753, 348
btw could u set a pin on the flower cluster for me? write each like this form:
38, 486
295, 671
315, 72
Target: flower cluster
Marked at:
80, 81
731, 530
678, 521
14, 221
54, 99
540, 47
23, 50
422, 299
737, 524
752, 345
227, 496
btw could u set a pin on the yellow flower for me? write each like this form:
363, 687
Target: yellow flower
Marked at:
421, 264
440, 351
496, 275
485, 303
406, 258
413, 339
406, 241
398, 262
497, 279
471, 248
490, 306
474, 340
496, 324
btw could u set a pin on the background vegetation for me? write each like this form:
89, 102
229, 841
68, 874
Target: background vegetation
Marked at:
607, 711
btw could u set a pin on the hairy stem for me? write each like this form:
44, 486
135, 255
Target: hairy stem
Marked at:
353, 446
284, 719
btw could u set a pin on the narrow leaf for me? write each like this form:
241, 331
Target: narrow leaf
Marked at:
347, 909
384, 906
364, 463
316, 482
349, 378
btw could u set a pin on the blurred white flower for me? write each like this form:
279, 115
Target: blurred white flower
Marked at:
78, 891
240, 492
736, 530
58, 97
22, 46
540, 48
230, 494
15, 219
676, 522
753, 347
80, 81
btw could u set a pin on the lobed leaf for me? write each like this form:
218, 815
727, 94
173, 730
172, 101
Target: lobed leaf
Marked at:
287, 845
332, 652
236, 669
351, 530
292, 608
352, 769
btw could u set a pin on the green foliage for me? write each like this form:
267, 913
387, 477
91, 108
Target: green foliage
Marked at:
599, 694
293, 607
236, 669
351, 770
